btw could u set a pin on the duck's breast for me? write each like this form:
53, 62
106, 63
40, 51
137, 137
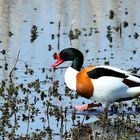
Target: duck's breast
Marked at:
70, 78
84, 85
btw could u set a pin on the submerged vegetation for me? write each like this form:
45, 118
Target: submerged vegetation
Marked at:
25, 103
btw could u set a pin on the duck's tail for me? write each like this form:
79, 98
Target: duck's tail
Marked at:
134, 91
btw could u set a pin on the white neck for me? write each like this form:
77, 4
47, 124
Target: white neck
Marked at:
70, 78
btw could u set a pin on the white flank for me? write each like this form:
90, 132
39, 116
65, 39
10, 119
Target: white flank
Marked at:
108, 89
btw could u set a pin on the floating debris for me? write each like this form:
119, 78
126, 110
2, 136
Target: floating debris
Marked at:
90, 32
131, 58
106, 62
3, 52
34, 33
134, 70
49, 47
25, 21
116, 28
52, 36
10, 34
58, 35
43, 95
35, 9
28, 70
111, 14
87, 50
6, 66
85, 34
136, 35
125, 24
84, 29
134, 24
126, 12
74, 34
51, 22
109, 34
134, 51
54, 55
96, 31
120, 30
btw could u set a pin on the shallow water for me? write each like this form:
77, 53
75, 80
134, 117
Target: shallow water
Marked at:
109, 34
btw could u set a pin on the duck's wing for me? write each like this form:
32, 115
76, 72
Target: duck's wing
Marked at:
100, 71
129, 79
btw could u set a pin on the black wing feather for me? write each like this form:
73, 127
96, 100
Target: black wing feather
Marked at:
99, 72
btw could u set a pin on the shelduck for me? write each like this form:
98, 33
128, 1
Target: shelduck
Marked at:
104, 84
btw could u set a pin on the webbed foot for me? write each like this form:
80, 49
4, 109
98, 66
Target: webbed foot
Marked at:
86, 106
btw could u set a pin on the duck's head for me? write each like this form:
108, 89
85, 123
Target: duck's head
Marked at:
70, 54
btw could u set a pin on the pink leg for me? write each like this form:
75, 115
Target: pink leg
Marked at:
86, 106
